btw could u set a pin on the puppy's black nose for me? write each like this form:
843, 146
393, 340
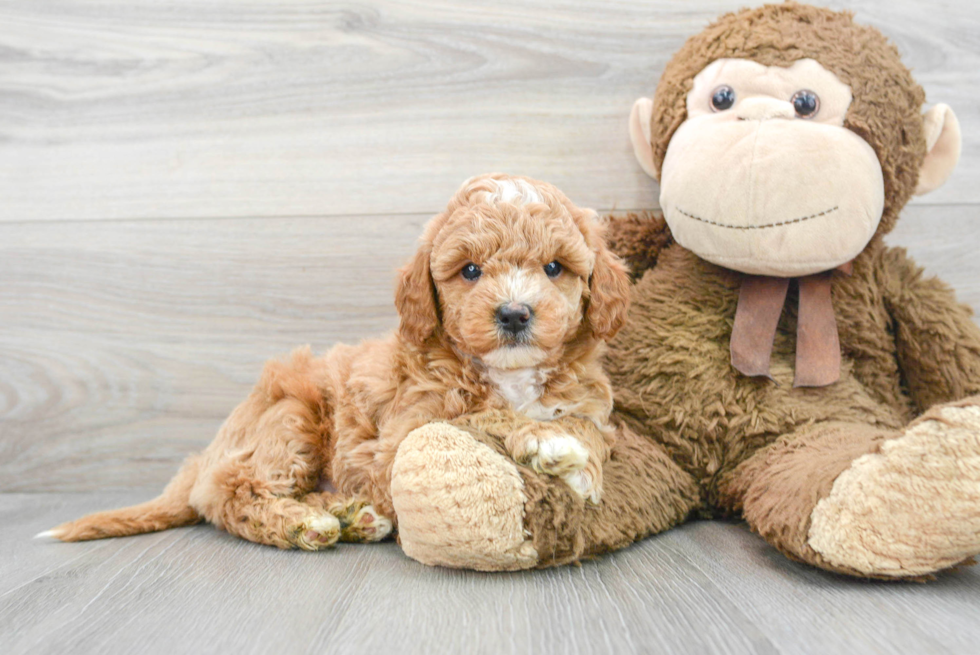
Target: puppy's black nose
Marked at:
514, 317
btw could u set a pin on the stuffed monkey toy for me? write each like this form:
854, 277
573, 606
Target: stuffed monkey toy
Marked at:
780, 362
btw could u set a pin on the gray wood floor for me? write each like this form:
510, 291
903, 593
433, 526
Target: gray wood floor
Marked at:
189, 188
706, 587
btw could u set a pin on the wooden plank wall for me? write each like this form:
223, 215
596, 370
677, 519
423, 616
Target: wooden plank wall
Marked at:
188, 187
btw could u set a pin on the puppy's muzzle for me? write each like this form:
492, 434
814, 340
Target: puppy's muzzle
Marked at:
514, 318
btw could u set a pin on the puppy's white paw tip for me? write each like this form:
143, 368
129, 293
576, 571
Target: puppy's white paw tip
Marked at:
324, 523
560, 454
318, 532
582, 484
368, 526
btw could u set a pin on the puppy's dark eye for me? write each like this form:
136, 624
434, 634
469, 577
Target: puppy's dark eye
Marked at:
806, 103
553, 269
723, 98
471, 272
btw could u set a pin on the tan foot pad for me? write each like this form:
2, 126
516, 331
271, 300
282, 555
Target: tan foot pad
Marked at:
459, 503
319, 531
911, 509
361, 523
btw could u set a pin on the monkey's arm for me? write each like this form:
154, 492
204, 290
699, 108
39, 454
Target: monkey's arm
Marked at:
638, 238
938, 341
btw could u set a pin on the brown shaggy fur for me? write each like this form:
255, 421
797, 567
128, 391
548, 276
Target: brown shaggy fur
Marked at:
340, 418
638, 239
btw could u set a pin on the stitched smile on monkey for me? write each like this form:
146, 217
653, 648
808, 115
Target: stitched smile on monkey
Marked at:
771, 172
792, 192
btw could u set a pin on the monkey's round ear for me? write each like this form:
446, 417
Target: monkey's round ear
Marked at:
943, 145
640, 118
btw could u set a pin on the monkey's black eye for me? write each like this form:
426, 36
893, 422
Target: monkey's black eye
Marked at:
723, 98
806, 103
471, 272
553, 269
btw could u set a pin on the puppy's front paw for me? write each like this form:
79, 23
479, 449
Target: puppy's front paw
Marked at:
555, 453
584, 484
316, 533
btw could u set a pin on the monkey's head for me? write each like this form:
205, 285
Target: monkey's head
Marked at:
786, 137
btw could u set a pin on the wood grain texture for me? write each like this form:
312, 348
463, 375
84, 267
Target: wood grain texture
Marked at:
219, 108
125, 344
705, 587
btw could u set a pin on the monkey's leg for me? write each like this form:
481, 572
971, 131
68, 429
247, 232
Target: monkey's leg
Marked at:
869, 502
463, 503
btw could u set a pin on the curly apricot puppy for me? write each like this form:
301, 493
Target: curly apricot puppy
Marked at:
503, 311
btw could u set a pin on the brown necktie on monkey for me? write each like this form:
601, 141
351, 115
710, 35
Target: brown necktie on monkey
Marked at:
760, 304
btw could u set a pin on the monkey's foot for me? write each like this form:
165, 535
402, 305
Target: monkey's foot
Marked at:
913, 507
459, 503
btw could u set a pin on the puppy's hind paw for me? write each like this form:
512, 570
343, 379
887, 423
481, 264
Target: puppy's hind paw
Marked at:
316, 533
363, 524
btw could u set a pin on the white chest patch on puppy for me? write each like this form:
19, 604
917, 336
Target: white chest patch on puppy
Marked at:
522, 387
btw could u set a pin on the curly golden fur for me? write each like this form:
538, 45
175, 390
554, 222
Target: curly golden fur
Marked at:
339, 418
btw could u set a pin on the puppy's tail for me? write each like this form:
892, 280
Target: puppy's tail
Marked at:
171, 509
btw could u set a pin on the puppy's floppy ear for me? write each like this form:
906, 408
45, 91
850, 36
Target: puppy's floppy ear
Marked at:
415, 298
609, 288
